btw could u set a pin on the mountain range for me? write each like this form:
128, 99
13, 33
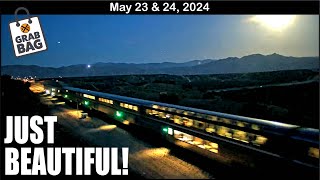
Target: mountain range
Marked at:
246, 64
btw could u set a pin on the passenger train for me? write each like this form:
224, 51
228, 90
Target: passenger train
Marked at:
231, 139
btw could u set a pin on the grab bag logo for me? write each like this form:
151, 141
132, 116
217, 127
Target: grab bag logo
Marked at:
26, 34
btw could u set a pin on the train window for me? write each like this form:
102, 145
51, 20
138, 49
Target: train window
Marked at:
162, 115
199, 115
177, 119
185, 113
155, 106
182, 136
212, 118
164, 108
204, 144
224, 120
224, 131
187, 122
240, 124
148, 111
106, 101
89, 96
240, 135
213, 147
135, 108
210, 128
260, 140
313, 152
255, 127
179, 111
197, 141
171, 109
154, 112
199, 124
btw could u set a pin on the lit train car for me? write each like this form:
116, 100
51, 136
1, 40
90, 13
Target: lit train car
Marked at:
52, 88
232, 139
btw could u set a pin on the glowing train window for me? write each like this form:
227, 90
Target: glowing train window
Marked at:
106, 100
171, 109
179, 111
89, 96
313, 152
212, 118
135, 108
187, 122
164, 108
210, 128
240, 135
177, 119
240, 124
155, 106
224, 131
260, 140
196, 141
162, 115
199, 124
255, 127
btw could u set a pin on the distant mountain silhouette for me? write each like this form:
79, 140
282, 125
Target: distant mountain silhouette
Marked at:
250, 63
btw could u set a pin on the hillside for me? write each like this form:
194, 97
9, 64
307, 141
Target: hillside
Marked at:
246, 64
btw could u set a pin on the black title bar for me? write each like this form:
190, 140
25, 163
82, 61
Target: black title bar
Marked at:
162, 7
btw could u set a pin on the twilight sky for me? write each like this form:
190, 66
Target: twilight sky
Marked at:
87, 39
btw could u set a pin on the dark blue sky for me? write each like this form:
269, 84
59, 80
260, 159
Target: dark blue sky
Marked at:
87, 39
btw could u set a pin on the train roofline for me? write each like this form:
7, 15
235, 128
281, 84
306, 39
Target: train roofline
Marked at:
196, 110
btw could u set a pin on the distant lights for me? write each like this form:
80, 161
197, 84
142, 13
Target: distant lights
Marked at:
88, 66
65, 96
86, 103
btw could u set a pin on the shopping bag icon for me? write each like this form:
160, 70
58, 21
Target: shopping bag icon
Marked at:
26, 34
